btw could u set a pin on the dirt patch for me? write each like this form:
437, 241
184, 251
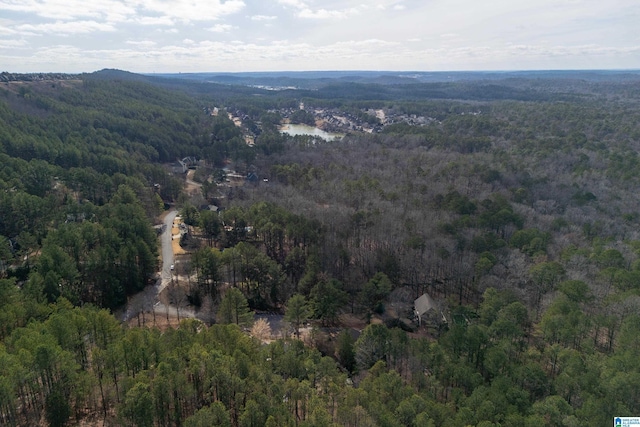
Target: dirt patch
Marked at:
175, 237
192, 188
175, 244
160, 321
348, 320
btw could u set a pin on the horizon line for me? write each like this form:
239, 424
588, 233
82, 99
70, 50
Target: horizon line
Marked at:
523, 70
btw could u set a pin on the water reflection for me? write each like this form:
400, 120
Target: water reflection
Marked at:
301, 129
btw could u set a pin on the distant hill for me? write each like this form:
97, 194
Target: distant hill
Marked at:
387, 85
303, 78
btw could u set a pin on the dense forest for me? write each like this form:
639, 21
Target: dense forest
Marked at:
510, 201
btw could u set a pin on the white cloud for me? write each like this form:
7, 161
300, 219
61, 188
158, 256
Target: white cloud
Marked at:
111, 10
372, 43
393, 4
64, 28
221, 28
5, 30
325, 14
294, 3
320, 14
193, 10
13, 43
164, 35
122, 10
263, 18
566, 51
212, 55
144, 44
305, 10
60, 52
154, 20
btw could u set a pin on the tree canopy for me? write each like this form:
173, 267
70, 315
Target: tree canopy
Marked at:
511, 203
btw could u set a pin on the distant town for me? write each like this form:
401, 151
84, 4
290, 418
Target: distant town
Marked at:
337, 120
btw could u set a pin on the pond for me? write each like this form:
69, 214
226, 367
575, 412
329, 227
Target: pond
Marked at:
301, 129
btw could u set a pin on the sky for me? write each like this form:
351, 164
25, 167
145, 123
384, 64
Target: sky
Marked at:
167, 36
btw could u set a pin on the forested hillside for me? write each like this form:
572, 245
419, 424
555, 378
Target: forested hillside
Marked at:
511, 202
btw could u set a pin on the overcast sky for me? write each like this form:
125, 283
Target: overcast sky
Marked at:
297, 35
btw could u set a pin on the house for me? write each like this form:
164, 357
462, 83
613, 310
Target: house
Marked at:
181, 167
426, 308
185, 164
190, 162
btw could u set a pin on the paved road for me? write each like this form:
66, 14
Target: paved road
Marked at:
167, 251
147, 300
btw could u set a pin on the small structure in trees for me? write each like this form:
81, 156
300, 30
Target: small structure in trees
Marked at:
427, 309
185, 164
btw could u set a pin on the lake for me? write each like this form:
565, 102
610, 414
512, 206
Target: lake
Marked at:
300, 129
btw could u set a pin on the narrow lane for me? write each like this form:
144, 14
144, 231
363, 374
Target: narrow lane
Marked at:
148, 300
167, 251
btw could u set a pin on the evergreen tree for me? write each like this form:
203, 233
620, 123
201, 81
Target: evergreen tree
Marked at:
234, 308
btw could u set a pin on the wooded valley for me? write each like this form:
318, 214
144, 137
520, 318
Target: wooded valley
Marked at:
510, 201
